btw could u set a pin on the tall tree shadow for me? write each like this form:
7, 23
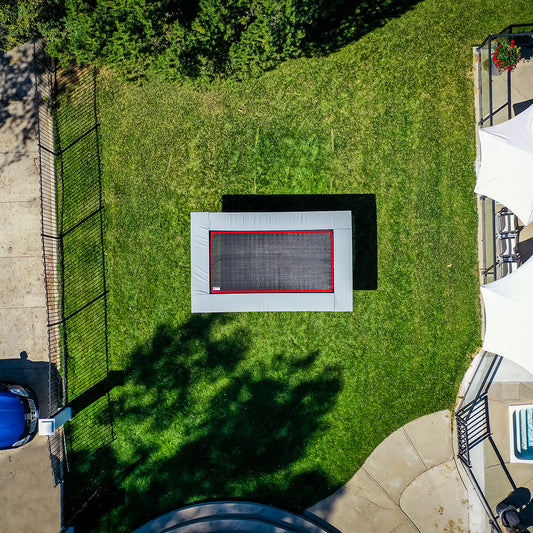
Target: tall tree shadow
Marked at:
200, 417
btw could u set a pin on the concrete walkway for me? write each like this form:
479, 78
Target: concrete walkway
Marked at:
409, 484
28, 500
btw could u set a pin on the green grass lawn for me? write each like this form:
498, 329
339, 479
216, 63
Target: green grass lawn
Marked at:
285, 407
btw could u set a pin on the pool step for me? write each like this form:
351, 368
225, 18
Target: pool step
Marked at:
231, 516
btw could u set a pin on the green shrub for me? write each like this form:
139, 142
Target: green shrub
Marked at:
274, 34
122, 34
25, 20
239, 38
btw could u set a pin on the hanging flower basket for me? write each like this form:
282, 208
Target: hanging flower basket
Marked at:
506, 56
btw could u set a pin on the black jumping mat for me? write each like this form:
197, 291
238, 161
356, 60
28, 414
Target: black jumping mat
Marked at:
271, 261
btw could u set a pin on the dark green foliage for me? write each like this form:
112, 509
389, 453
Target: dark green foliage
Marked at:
124, 34
24, 20
245, 38
195, 38
207, 38
274, 33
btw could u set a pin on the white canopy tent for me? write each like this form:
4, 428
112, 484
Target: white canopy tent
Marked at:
508, 310
506, 170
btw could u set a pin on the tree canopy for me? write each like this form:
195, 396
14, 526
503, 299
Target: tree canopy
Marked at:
189, 38
204, 38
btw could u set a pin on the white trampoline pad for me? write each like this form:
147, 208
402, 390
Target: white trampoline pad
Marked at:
290, 261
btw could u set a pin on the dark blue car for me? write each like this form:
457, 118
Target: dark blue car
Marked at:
19, 415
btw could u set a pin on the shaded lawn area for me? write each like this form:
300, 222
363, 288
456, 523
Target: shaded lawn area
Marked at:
283, 408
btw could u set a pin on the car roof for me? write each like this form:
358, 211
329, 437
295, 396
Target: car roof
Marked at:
12, 418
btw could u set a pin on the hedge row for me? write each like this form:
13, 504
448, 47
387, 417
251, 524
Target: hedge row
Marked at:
179, 38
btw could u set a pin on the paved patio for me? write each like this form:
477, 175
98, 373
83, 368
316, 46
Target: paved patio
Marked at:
505, 391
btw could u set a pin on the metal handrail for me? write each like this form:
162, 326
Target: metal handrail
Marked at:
508, 32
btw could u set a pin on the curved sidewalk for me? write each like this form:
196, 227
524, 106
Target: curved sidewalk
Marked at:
409, 484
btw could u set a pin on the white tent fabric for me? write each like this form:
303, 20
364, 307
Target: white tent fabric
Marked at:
506, 170
508, 306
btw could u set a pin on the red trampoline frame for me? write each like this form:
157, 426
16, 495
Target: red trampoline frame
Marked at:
212, 291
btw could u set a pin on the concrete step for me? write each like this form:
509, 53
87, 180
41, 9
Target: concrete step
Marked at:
228, 516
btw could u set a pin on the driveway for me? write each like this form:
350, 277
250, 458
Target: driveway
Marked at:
29, 501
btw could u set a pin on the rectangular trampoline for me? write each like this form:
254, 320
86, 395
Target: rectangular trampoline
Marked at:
296, 261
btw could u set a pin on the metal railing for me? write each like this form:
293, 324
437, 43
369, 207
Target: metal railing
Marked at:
494, 104
473, 426
497, 106
44, 71
74, 259
487, 236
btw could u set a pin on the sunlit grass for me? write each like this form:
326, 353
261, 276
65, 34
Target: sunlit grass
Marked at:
285, 407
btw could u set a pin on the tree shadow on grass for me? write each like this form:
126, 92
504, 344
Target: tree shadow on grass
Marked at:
200, 417
343, 21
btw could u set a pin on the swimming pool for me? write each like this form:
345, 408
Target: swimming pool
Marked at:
521, 433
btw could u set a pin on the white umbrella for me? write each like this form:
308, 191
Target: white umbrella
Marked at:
508, 310
506, 170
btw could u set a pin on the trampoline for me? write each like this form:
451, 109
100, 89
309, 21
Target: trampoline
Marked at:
296, 261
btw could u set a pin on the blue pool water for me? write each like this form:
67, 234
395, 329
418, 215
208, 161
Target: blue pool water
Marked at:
523, 433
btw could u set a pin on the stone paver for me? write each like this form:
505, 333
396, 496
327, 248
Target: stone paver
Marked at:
431, 500
434, 446
362, 502
30, 324
17, 177
407, 527
521, 82
501, 396
29, 501
21, 279
18, 221
398, 459
17, 80
17, 136
410, 483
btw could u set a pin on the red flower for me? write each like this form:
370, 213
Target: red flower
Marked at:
512, 42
